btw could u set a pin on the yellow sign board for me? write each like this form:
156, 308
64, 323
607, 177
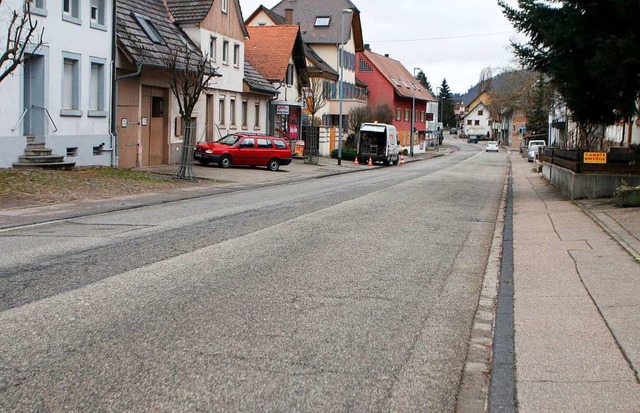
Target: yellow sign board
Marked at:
595, 157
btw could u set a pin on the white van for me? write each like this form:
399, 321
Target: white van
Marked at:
378, 142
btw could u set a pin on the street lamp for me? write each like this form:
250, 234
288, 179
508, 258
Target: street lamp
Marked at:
340, 85
413, 112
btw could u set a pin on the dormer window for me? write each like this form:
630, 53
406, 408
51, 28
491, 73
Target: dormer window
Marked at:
148, 28
323, 21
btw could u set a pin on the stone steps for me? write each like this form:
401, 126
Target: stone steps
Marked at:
36, 155
63, 166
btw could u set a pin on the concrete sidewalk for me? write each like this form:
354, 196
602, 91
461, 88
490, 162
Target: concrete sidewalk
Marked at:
576, 300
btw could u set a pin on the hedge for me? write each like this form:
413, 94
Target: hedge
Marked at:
347, 154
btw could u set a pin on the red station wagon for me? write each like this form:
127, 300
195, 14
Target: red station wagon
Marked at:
245, 149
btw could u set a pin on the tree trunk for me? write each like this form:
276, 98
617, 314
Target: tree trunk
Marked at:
185, 170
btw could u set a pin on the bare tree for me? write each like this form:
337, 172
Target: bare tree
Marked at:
512, 91
188, 74
486, 76
316, 97
23, 39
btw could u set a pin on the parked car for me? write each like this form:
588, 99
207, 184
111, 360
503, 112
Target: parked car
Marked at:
537, 143
472, 139
245, 149
492, 146
532, 153
453, 131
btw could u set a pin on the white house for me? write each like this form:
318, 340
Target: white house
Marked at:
61, 95
238, 99
477, 122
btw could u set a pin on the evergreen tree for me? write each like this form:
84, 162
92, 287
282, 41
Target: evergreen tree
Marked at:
538, 112
447, 109
589, 49
422, 78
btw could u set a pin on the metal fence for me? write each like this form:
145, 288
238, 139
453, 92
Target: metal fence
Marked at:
311, 138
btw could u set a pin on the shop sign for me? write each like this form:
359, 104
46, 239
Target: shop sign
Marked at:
282, 109
595, 157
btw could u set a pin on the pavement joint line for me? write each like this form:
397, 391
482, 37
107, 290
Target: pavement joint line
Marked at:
594, 217
624, 353
473, 376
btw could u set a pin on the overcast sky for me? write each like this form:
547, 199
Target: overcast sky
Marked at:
452, 39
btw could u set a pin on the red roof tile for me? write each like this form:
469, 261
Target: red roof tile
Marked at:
399, 77
269, 49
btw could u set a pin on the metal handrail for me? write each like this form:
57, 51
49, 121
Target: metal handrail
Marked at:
19, 120
49, 115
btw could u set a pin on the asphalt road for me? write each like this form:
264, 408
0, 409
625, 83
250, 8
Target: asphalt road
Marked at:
348, 293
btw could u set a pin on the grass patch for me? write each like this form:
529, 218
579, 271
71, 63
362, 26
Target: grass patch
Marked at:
49, 186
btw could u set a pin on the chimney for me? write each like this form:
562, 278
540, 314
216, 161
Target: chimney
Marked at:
288, 16
367, 46
386, 55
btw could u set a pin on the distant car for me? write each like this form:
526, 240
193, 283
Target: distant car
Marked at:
537, 143
245, 149
532, 153
492, 146
453, 131
472, 139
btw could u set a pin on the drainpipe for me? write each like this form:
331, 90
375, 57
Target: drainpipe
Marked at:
114, 109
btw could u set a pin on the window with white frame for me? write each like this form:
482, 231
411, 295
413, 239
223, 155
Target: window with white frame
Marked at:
225, 6
97, 88
323, 21
407, 114
38, 7
225, 52
256, 122
398, 114
236, 55
71, 11
71, 85
221, 114
213, 43
98, 12
245, 109
232, 111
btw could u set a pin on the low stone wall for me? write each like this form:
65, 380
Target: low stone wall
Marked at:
584, 184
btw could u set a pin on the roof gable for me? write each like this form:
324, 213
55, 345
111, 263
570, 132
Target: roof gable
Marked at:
197, 11
270, 48
275, 18
305, 13
402, 81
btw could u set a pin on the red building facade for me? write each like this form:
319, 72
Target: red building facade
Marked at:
392, 84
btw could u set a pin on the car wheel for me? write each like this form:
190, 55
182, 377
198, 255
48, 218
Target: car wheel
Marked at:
203, 162
273, 165
397, 161
387, 162
225, 161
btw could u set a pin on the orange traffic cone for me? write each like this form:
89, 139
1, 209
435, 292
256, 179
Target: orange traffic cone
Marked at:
401, 159
370, 163
356, 162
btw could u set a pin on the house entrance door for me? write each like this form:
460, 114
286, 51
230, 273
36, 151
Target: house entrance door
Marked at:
33, 92
155, 140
